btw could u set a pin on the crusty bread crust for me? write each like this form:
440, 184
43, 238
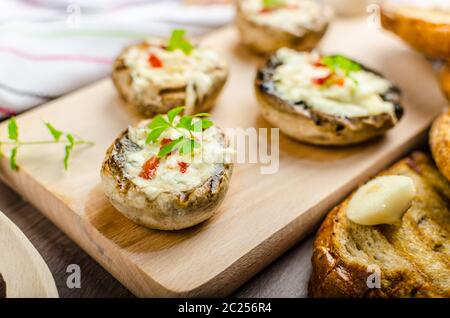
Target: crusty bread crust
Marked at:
413, 261
440, 143
425, 30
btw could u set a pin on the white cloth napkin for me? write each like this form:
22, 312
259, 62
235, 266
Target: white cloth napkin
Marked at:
51, 47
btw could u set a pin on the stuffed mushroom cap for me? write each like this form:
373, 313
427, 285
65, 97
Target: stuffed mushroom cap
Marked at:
326, 100
265, 26
170, 192
152, 78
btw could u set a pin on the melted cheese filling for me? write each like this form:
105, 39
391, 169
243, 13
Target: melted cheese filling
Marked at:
353, 97
168, 177
178, 70
294, 16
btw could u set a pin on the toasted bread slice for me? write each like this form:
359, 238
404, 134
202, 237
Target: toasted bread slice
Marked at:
427, 30
412, 258
440, 143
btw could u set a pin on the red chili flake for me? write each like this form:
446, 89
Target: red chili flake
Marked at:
322, 80
154, 61
149, 168
339, 81
265, 10
183, 166
319, 64
166, 141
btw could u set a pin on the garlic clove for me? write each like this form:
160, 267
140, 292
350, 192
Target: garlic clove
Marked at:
382, 200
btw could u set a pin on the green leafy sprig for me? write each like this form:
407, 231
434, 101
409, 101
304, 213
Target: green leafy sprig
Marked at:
345, 65
59, 137
187, 126
272, 4
178, 42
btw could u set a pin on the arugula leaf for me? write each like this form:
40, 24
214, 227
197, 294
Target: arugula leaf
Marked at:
154, 134
166, 149
12, 159
178, 42
157, 122
174, 113
13, 130
270, 4
68, 150
55, 132
342, 63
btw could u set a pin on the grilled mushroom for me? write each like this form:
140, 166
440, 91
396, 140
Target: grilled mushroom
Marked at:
326, 100
265, 26
170, 192
153, 78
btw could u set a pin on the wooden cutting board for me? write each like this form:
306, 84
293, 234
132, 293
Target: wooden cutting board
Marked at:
23, 272
262, 215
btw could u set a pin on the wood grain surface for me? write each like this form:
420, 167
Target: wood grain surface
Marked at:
286, 277
261, 217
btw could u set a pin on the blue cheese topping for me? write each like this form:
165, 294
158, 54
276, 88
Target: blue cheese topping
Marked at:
292, 16
296, 80
168, 177
193, 72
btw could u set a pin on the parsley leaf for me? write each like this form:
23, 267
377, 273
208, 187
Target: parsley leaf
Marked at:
154, 134
270, 4
185, 122
174, 113
68, 150
202, 115
12, 159
13, 130
157, 122
339, 62
178, 42
206, 123
13, 135
186, 125
55, 132
188, 145
166, 149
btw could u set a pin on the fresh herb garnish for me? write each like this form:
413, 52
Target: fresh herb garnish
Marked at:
343, 64
13, 134
178, 42
339, 62
187, 125
271, 4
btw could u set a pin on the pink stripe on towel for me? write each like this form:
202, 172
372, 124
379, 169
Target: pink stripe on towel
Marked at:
56, 57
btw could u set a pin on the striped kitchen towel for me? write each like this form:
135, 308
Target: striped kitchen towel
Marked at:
51, 47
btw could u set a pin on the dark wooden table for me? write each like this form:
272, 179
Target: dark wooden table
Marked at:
287, 277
